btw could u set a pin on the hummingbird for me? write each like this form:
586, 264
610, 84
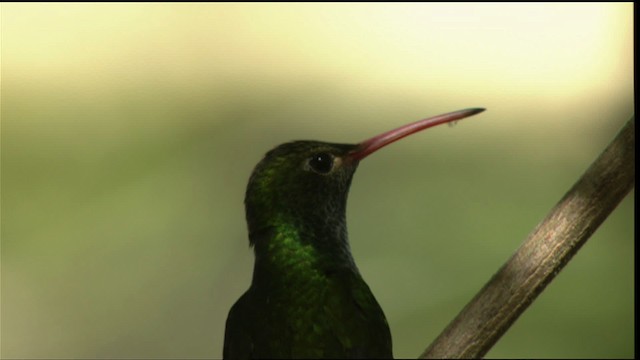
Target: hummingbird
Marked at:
307, 298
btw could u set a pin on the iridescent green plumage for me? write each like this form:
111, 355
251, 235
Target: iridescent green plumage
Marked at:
307, 298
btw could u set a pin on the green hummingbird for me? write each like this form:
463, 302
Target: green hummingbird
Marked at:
307, 298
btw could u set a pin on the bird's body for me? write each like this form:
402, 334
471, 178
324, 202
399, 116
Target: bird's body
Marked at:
307, 298
334, 315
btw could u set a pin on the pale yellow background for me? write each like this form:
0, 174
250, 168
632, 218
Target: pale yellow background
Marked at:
129, 132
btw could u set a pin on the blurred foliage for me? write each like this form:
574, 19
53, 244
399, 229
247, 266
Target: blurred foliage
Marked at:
123, 232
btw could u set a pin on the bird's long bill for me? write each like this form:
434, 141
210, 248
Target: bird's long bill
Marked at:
371, 145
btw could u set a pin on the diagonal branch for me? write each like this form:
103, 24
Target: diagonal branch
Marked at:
543, 254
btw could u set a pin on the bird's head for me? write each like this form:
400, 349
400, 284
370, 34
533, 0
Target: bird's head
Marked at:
303, 182
306, 182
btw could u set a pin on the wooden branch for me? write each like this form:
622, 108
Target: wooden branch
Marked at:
543, 254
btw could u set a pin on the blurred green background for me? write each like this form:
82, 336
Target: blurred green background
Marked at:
129, 132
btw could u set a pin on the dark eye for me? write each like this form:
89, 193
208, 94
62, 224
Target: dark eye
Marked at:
321, 163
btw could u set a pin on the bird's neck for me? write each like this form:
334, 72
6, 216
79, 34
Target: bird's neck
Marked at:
292, 251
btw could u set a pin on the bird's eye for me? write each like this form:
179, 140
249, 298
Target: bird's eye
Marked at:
322, 163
